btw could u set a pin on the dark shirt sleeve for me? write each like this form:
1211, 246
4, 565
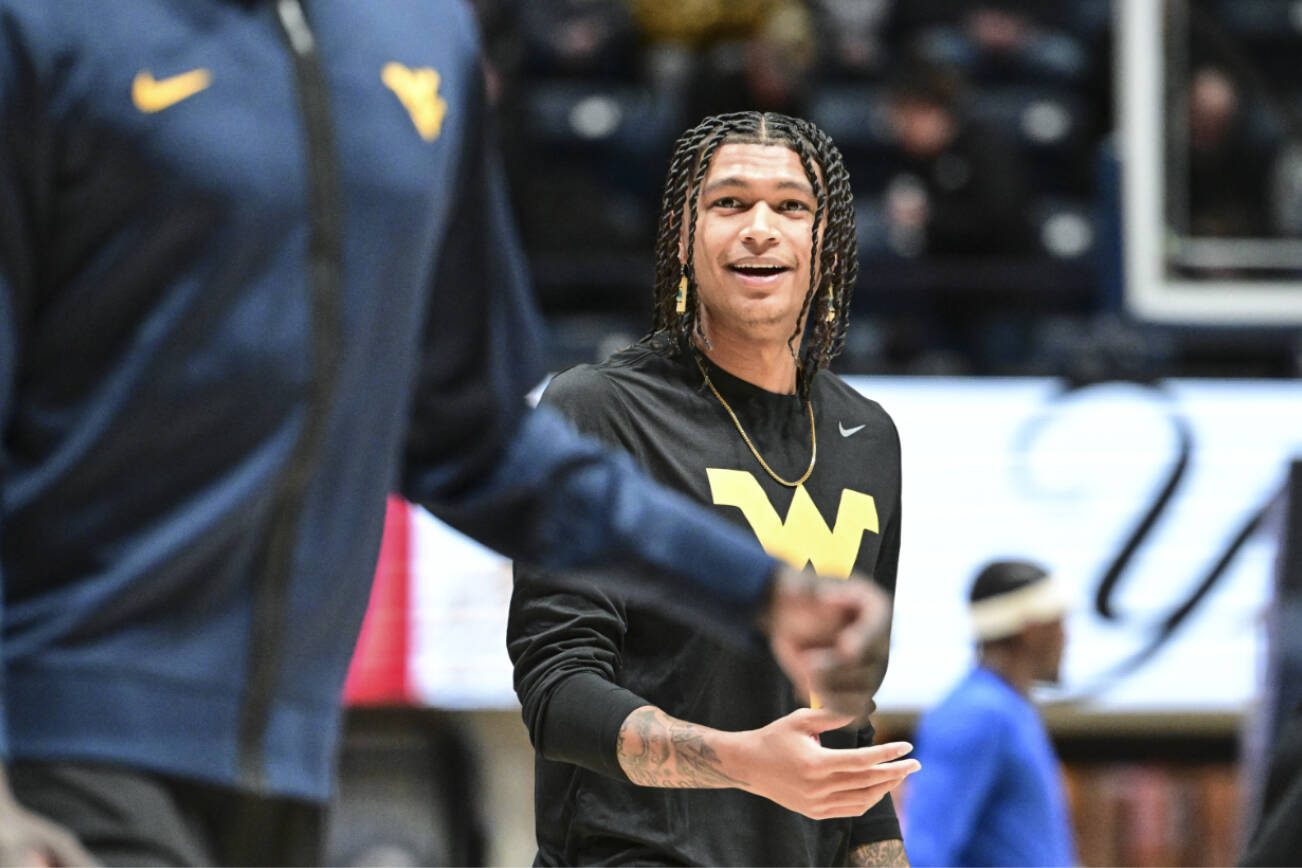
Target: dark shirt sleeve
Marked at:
565, 645
886, 567
525, 483
880, 823
565, 640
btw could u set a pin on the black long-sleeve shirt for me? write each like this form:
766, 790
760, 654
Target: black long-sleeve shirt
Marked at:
586, 658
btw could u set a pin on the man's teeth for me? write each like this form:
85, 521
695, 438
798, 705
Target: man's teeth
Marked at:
759, 269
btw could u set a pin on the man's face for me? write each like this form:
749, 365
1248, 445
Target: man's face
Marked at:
1046, 643
753, 241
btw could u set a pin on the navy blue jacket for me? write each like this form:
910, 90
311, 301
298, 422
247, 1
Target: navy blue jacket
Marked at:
257, 271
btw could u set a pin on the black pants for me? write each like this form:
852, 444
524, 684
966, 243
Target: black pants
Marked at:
129, 817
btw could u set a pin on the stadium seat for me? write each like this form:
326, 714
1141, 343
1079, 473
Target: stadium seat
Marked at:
587, 162
855, 116
578, 39
1266, 33
1057, 57
1050, 125
1088, 19
1064, 228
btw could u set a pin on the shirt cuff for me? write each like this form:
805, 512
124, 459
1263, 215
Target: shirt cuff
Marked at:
584, 716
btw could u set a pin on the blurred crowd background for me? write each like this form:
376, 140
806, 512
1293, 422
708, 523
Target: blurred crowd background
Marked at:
978, 134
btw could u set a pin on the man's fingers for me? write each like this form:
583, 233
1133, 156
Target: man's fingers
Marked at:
841, 686
845, 617
36, 841
864, 759
61, 846
829, 636
67, 851
856, 803
865, 619
848, 787
896, 770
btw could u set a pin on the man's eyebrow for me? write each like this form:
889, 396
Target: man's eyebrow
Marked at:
734, 181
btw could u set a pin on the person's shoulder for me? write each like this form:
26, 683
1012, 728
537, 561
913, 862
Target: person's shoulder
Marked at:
975, 705
579, 385
651, 354
598, 382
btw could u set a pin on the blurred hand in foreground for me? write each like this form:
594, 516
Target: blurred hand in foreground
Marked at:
28, 840
830, 636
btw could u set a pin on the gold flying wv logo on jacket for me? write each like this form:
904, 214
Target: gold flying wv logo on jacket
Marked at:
418, 91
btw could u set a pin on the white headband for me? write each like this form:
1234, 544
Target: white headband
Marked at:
1005, 614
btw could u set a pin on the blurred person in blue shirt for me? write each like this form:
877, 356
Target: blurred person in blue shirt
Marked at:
990, 791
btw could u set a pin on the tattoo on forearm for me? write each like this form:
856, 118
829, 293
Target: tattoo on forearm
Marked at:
890, 853
655, 750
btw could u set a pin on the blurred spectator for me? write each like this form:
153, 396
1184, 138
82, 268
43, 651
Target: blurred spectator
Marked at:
584, 128
699, 22
851, 36
989, 792
961, 190
587, 38
749, 56
995, 40
1229, 168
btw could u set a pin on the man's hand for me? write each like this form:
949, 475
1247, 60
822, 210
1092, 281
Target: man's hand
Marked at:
830, 636
29, 840
784, 763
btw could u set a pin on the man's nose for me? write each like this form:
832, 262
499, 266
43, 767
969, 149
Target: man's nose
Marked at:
760, 230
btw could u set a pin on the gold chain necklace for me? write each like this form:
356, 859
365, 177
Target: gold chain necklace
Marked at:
813, 436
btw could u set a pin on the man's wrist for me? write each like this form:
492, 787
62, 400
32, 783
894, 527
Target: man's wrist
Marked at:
734, 752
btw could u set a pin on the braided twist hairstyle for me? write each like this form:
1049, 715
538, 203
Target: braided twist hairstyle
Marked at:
834, 253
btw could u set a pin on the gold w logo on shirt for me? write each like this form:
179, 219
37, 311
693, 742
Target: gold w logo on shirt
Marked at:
418, 91
804, 536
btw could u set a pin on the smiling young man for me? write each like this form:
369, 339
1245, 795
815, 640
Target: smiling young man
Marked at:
658, 744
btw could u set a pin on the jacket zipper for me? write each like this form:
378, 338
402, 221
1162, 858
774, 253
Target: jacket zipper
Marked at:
325, 270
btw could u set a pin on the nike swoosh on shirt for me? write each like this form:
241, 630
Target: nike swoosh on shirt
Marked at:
153, 95
846, 432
